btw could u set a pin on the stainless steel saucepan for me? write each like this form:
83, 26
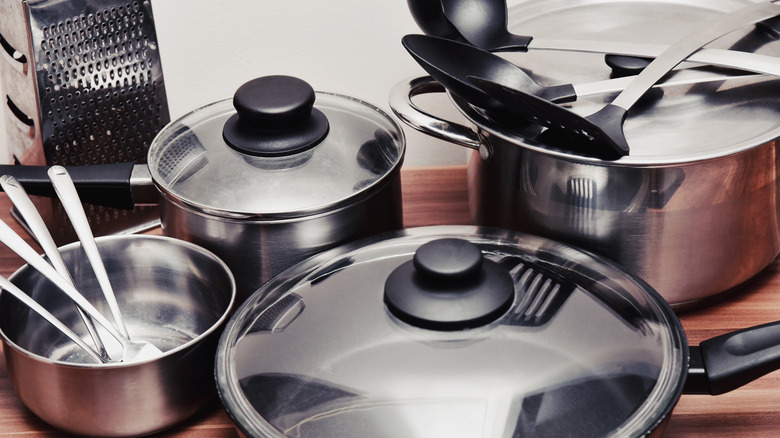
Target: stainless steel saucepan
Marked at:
263, 180
173, 294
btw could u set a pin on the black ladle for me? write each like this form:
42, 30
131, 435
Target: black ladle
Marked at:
483, 23
429, 16
606, 125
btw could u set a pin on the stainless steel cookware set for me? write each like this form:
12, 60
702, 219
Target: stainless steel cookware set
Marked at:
624, 167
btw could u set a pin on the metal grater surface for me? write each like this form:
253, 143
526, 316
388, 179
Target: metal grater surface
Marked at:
83, 81
99, 78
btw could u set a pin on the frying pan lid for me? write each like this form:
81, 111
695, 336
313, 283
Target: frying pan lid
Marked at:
581, 349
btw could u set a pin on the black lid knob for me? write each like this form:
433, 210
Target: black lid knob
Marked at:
275, 116
449, 285
448, 260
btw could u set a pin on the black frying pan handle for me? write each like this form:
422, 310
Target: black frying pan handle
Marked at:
729, 361
99, 184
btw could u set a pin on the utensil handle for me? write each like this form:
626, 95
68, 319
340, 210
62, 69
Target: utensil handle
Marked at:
689, 44
66, 191
51, 319
34, 221
16, 244
99, 184
27, 209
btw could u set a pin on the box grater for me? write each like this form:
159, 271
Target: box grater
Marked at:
82, 84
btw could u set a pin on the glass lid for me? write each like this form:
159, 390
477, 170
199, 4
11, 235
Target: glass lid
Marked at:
277, 149
452, 331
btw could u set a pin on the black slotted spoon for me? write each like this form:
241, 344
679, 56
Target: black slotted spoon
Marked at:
606, 125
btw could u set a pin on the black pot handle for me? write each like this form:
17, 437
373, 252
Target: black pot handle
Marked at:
726, 362
99, 184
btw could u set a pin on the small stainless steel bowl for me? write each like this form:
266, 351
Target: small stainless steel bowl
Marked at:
172, 293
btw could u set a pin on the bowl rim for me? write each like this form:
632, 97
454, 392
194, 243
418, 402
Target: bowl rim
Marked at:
7, 342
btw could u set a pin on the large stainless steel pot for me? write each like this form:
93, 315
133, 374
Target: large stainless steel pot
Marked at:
462, 331
263, 180
693, 209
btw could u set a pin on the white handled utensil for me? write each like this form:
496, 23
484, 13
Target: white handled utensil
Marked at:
15, 243
37, 226
67, 194
51, 319
66, 191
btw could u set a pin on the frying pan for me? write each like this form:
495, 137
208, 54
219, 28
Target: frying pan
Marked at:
606, 357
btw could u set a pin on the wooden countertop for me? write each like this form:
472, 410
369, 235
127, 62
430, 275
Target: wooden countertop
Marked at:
434, 196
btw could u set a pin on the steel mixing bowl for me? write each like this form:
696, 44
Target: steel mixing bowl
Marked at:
172, 293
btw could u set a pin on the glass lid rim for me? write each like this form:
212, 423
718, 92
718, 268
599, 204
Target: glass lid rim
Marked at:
654, 408
223, 107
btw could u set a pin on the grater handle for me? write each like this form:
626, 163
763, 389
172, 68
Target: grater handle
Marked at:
99, 184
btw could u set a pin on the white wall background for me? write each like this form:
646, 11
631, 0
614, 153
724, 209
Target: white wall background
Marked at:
209, 48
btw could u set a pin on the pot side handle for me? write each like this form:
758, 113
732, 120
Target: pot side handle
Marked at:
100, 184
401, 103
726, 362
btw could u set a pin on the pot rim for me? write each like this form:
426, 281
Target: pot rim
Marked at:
224, 317
489, 127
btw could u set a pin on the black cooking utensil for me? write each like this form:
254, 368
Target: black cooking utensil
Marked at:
451, 63
430, 18
767, 31
606, 125
601, 143
483, 23
540, 293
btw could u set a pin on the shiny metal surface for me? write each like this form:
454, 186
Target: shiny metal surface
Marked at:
680, 228
190, 160
132, 349
69, 197
699, 188
51, 319
256, 250
85, 86
76, 67
24, 204
605, 355
690, 44
172, 293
